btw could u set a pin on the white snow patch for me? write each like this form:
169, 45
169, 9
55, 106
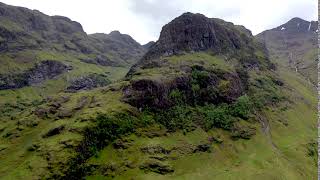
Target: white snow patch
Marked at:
283, 28
317, 30
298, 25
309, 26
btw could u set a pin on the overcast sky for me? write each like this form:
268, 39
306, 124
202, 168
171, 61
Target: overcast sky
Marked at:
143, 19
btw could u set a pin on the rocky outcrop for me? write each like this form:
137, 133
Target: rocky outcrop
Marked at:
199, 87
88, 82
195, 32
39, 73
157, 167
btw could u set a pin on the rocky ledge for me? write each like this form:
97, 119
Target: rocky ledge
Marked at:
39, 73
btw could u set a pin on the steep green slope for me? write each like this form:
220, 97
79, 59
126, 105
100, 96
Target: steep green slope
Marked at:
282, 146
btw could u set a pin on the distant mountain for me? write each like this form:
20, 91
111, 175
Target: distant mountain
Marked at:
149, 44
294, 44
123, 45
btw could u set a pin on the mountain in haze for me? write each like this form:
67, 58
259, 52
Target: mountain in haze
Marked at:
206, 101
295, 45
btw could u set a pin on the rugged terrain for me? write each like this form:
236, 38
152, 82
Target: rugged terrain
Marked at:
208, 100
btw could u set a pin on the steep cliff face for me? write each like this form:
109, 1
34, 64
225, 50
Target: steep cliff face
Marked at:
294, 45
195, 32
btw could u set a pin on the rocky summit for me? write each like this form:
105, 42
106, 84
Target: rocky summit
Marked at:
190, 33
195, 32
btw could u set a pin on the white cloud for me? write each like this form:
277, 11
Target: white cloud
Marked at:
143, 19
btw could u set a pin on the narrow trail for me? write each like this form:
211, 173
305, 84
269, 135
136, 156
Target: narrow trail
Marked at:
266, 131
265, 127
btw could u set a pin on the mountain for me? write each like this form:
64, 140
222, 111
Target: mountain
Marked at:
126, 48
294, 44
206, 101
148, 45
57, 52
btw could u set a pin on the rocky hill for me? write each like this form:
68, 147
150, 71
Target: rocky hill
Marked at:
205, 102
195, 33
294, 44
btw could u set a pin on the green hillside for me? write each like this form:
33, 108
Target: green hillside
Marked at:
212, 105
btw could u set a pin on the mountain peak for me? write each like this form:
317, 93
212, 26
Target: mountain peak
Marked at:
196, 32
115, 32
298, 25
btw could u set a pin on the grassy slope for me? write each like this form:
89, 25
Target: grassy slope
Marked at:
17, 161
241, 159
53, 86
282, 155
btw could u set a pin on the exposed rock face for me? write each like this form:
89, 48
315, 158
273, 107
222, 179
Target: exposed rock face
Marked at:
46, 70
294, 44
210, 87
41, 72
157, 167
190, 33
195, 32
88, 82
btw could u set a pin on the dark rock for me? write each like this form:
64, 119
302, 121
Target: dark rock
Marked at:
215, 139
202, 148
157, 167
155, 150
88, 82
39, 73
41, 113
65, 113
160, 158
122, 144
53, 131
